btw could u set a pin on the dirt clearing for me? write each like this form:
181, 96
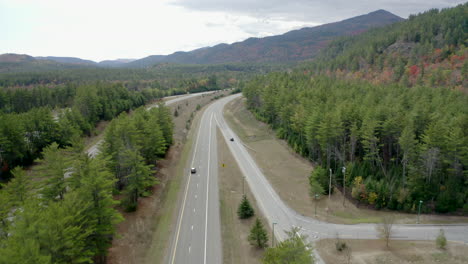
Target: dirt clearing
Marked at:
402, 252
288, 173
234, 231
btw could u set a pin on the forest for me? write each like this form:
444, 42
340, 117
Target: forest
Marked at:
66, 213
402, 138
31, 119
405, 144
166, 76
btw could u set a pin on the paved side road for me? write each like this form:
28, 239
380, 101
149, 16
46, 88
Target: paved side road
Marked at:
277, 211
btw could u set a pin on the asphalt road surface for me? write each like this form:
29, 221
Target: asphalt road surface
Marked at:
197, 238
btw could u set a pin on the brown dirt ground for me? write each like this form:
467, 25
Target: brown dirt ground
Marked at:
234, 231
375, 251
143, 236
288, 173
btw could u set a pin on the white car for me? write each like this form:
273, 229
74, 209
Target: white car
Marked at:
193, 170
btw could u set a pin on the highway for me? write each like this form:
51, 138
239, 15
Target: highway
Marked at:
197, 238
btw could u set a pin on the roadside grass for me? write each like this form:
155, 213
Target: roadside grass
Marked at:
288, 173
400, 251
234, 231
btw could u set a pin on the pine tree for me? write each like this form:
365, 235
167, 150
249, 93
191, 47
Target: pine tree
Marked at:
18, 188
245, 210
54, 169
139, 178
258, 236
96, 185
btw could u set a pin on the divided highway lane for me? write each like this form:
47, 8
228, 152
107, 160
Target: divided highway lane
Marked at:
278, 212
197, 237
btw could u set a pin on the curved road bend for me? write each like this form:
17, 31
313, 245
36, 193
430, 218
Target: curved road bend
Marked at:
197, 238
277, 211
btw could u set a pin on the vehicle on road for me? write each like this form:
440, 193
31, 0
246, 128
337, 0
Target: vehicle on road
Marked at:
193, 170
232, 139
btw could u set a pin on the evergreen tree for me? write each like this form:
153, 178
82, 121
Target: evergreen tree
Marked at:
96, 185
139, 178
258, 236
245, 210
17, 190
54, 169
318, 181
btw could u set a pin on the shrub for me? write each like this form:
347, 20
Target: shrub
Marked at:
372, 198
441, 241
340, 245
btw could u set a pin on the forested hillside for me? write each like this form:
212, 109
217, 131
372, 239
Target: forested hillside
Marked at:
295, 45
428, 49
402, 135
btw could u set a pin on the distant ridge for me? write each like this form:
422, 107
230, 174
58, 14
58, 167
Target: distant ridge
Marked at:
115, 63
294, 45
70, 60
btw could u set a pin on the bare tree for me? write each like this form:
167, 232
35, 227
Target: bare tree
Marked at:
385, 228
348, 255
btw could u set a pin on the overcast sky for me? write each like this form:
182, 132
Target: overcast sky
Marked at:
111, 29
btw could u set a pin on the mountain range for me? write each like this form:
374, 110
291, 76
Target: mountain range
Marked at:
297, 45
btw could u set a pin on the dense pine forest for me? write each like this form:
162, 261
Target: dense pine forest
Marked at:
402, 140
172, 77
67, 214
31, 119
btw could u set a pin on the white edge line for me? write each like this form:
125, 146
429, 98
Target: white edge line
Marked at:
185, 197
207, 186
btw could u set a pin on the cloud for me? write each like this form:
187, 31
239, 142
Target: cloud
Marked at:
107, 29
317, 11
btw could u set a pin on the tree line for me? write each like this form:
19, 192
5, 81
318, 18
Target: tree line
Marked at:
169, 77
400, 145
66, 213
